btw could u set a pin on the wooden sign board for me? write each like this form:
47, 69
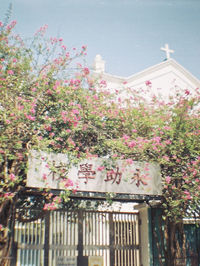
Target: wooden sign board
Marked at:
120, 176
95, 261
66, 261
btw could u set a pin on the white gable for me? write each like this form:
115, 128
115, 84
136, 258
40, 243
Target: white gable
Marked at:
164, 76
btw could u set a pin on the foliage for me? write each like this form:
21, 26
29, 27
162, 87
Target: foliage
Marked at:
50, 102
47, 102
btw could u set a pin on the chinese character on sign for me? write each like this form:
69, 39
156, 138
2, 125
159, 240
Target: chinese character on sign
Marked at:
57, 170
137, 178
113, 176
86, 172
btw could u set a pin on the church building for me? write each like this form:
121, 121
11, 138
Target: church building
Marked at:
164, 76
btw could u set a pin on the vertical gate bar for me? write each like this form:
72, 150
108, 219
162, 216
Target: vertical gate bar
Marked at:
118, 232
75, 231
46, 239
70, 226
121, 241
80, 237
139, 235
85, 240
67, 214
115, 240
40, 238
13, 233
136, 238
104, 229
129, 246
56, 233
95, 233
51, 228
68, 241
111, 236
97, 227
31, 241
86, 224
64, 231
125, 240
36, 242
90, 230
26, 240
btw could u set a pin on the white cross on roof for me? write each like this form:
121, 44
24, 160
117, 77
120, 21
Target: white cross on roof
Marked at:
167, 50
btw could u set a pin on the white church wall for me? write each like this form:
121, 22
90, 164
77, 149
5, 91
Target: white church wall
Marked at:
161, 79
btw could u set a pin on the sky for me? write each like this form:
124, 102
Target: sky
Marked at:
128, 34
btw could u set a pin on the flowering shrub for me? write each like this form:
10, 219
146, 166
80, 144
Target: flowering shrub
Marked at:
50, 102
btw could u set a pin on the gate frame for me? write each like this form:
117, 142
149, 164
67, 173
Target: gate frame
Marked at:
95, 196
80, 245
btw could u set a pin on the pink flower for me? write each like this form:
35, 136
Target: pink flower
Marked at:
129, 161
187, 92
166, 158
68, 183
132, 144
95, 97
31, 118
168, 142
44, 177
148, 83
50, 206
75, 111
10, 72
32, 110
168, 179
86, 71
57, 199
103, 82
52, 134
100, 168
48, 127
12, 177
125, 137
8, 195
20, 107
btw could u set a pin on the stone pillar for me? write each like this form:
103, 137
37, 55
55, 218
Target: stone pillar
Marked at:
145, 233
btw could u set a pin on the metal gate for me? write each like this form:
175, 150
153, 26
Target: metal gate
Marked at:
68, 234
